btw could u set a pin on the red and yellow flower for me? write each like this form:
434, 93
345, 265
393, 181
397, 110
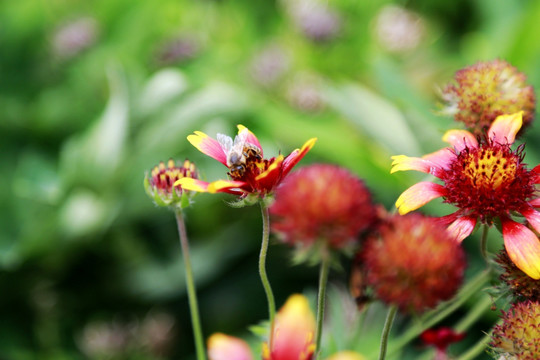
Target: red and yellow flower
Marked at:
487, 181
293, 333
249, 171
292, 338
161, 185
225, 347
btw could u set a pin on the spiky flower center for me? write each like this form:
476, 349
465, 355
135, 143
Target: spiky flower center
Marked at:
488, 180
164, 176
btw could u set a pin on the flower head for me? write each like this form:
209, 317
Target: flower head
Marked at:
518, 335
293, 334
249, 171
486, 90
225, 347
322, 202
522, 286
487, 181
413, 263
161, 184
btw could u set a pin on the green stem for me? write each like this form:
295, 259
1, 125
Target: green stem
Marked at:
483, 243
262, 270
190, 283
433, 317
386, 330
321, 301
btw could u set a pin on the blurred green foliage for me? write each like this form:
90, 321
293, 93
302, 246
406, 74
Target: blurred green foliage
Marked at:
94, 94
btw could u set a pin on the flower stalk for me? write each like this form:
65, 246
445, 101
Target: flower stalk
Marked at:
321, 299
386, 330
190, 283
262, 269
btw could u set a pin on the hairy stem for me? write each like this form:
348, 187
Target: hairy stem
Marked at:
262, 269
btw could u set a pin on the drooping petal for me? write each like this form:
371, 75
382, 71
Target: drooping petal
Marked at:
505, 127
418, 195
346, 355
462, 227
208, 146
224, 347
250, 137
192, 184
533, 217
522, 246
228, 186
294, 329
294, 157
460, 139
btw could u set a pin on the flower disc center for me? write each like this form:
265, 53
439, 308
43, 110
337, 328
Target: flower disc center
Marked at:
489, 168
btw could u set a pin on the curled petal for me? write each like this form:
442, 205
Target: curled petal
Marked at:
293, 158
192, 184
522, 246
462, 227
417, 196
250, 137
505, 127
460, 139
208, 146
228, 186
533, 217
224, 347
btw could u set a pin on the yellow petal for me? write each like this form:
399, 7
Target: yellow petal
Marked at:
505, 127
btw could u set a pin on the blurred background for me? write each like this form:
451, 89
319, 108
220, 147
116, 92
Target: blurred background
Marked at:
94, 94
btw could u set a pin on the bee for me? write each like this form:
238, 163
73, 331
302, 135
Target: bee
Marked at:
240, 161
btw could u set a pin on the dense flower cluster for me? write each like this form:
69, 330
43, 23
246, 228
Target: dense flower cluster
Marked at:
315, 203
522, 286
519, 334
413, 263
161, 184
486, 90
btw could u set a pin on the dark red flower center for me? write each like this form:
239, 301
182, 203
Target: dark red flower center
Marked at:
489, 180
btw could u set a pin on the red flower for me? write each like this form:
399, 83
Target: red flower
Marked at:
249, 171
293, 336
162, 187
413, 263
294, 331
315, 203
486, 180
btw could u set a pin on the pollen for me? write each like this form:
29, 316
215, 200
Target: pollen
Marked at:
488, 168
488, 181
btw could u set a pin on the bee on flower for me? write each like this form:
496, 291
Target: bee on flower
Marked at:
488, 182
248, 170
